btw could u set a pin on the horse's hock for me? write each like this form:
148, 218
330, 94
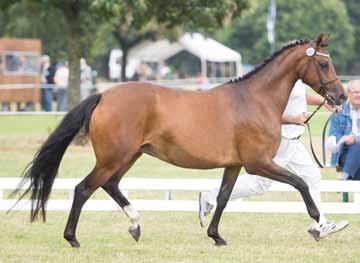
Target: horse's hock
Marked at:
19, 70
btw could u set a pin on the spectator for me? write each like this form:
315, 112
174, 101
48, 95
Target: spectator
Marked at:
344, 135
47, 81
163, 71
144, 72
62, 81
86, 84
5, 106
202, 82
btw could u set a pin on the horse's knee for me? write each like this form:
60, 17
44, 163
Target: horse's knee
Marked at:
79, 190
222, 199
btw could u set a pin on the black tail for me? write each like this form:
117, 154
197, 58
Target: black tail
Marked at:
43, 169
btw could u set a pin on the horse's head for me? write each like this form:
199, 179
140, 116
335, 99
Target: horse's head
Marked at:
317, 70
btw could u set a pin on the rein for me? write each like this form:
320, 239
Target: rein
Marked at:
321, 165
306, 122
311, 52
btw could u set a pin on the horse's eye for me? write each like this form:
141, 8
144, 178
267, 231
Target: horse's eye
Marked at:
323, 64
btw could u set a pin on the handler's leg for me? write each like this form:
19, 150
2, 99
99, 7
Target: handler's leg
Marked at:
246, 185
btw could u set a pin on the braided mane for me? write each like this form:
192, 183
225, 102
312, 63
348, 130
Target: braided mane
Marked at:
270, 58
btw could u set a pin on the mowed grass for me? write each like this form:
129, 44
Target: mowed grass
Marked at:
174, 237
166, 236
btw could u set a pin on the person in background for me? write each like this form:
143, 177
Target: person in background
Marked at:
47, 81
202, 82
291, 155
62, 81
5, 105
86, 84
344, 135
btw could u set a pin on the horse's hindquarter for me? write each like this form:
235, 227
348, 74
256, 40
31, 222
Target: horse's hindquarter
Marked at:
119, 122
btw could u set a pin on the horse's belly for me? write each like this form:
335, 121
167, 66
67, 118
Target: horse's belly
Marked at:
189, 159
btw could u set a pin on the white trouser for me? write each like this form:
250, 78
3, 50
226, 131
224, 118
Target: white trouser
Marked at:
291, 155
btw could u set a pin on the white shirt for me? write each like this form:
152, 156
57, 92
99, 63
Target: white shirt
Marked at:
355, 118
295, 106
62, 77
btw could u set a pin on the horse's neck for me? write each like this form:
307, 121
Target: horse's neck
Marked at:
278, 78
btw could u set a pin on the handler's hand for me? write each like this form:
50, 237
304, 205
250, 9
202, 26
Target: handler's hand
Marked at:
301, 118
349, 139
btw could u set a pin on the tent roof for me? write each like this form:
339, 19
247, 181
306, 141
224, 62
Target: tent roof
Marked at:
155, 51
208, 48
195, 43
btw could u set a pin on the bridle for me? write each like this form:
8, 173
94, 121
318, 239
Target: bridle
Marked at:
311, 52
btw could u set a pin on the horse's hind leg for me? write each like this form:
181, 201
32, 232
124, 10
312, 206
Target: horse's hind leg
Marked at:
83, 191
227, 184
112, 188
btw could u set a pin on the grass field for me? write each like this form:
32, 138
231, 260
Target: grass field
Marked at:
175, 237
167, 237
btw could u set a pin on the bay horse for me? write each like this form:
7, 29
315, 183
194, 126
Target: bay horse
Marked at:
233, 125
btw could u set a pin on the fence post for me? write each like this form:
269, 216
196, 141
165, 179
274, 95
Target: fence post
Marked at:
357, 198
168, 195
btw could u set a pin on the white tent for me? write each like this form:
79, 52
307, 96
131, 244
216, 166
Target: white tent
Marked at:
209, 50
157, 51
206, 49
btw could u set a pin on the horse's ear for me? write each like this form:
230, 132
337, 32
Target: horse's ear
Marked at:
322, 40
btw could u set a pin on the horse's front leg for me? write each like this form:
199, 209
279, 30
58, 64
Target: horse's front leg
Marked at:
227, 184
273, 171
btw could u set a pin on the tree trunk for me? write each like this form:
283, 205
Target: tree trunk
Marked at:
74, 70
74, 51
124, 62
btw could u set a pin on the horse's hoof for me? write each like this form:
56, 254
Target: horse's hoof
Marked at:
135, 232
220, 242
73, 242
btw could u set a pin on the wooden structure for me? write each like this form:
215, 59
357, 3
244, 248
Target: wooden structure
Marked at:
19, 70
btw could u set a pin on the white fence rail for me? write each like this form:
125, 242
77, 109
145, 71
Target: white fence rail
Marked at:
168, 185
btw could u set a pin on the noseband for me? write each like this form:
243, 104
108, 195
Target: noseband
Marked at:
311, 52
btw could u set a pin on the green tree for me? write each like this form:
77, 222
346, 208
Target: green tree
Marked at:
353, 8
295, 20
62, 25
